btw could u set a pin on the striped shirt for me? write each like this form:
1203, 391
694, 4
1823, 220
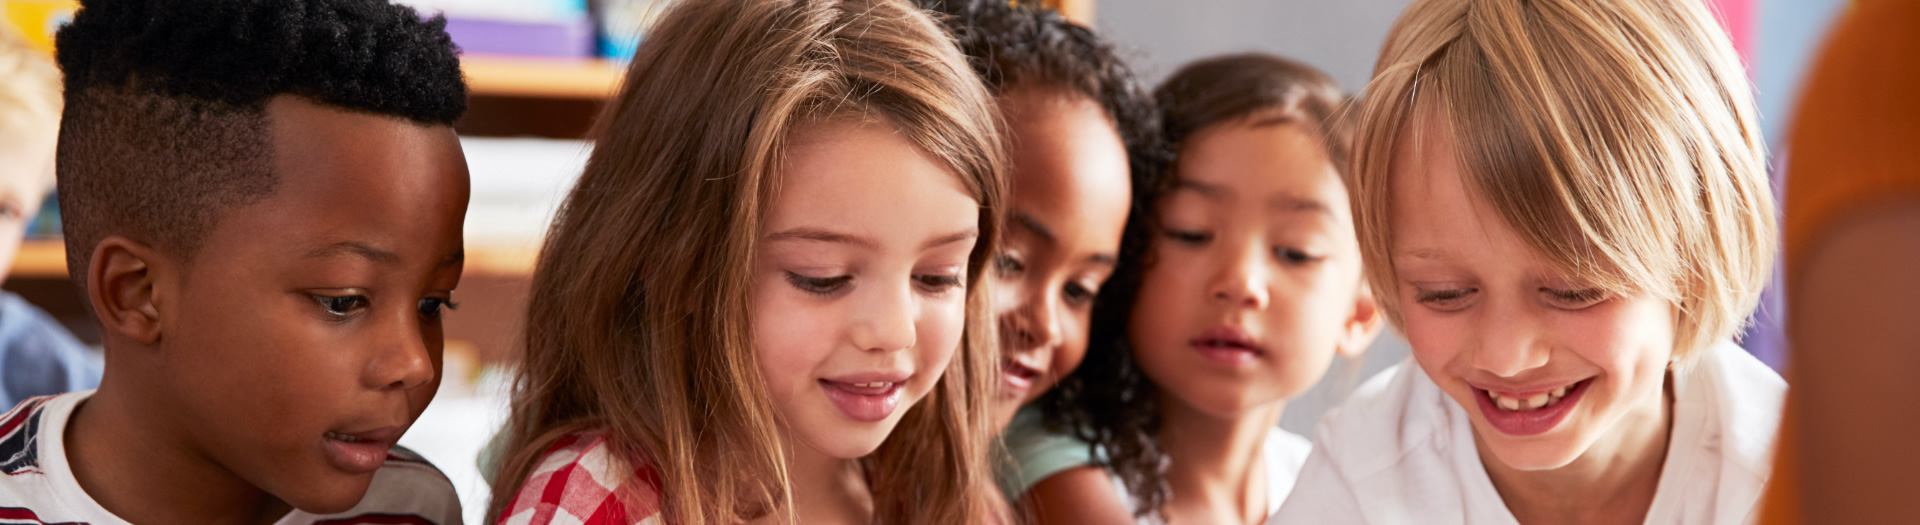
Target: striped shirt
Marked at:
579, 482
37, 485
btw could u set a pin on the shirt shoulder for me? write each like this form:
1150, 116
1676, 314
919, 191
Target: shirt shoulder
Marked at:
406, 490
580, 481
1391, 416
1037, 453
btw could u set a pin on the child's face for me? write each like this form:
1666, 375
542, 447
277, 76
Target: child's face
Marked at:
26, 175
1253, 278
1070, 194
859, 290
304, 336
1487, 315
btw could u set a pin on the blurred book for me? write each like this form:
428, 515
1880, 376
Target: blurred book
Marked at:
528, 28
517, 185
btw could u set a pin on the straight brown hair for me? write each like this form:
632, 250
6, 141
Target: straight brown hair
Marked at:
639, 319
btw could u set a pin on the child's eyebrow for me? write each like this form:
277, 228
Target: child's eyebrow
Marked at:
1295, 203
1431, 254
950, 238
355, 248
1032, 225
820, 235
1205, 189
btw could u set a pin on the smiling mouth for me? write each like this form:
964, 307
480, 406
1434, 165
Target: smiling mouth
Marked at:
1018, 378
1528, 413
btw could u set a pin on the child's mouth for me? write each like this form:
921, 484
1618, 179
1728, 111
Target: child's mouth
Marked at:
865, 399
360, 452
1016, 378
1228, 345
1529, 413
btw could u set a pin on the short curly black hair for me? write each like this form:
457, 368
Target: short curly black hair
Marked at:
1023, 46
165, 126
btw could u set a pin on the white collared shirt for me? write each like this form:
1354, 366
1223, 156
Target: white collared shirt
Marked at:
1401, 451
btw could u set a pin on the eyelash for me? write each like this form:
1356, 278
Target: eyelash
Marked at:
1293, 256
1576, 299
829, 286
1447, 300
344, 307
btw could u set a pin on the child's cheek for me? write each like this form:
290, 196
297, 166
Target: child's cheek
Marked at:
793, 333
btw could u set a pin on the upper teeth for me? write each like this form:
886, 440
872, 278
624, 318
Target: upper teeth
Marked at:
876, 384
1533, 402
343, 437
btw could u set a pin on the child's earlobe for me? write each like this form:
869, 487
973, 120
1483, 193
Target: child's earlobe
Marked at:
120, 288
1364, 326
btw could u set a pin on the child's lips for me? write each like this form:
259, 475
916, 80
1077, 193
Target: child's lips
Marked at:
1017, 378
360, 451
1229, 345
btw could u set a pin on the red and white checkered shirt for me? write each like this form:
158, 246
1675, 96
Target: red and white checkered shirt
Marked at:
578, 482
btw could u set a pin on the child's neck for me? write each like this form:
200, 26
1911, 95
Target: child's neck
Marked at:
1613, 482
130, 459
1215, 468
825, 489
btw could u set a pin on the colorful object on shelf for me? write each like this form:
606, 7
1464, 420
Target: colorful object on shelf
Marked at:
624, 22
529, 28
38, 19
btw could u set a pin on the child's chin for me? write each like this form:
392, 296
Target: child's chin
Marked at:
335, 494
1531, 454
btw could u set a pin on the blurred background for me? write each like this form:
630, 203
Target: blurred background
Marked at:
539, 70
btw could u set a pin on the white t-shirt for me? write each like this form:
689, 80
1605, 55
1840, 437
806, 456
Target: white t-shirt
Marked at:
1401, 451
37, 485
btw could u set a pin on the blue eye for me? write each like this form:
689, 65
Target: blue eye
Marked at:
340, 306
434, 307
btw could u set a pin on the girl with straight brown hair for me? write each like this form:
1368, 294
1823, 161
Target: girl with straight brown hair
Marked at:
762, 301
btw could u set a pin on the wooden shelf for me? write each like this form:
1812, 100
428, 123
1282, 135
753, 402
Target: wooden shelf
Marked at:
587, 79
45, 259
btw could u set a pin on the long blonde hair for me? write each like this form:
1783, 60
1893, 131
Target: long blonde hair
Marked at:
1617, 137
639, 322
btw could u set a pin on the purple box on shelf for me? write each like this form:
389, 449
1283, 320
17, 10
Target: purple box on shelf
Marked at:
569, 39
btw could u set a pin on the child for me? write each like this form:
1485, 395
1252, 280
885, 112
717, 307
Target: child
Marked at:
1082, 136
763, 299
1565, 209
1251, 285
37, 355
262, 202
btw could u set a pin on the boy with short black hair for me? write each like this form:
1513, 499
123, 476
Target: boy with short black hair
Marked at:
262, 200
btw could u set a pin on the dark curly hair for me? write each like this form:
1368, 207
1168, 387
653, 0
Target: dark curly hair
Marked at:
1108, 401
1021, 45
165, 126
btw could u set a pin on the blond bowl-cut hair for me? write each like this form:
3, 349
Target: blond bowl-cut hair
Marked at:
1616, 137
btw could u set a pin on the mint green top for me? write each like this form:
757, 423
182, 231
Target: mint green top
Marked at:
1032, 453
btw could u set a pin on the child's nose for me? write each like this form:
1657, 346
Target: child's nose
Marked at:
885, 321
1512, 339
1242, 280
405, 359
1036, 322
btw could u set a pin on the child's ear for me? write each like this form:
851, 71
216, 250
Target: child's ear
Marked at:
120, 286
1363, 326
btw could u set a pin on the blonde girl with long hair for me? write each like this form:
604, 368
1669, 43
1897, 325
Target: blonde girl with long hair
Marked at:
762, 302
1564, 206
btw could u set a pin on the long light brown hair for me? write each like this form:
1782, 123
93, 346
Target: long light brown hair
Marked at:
639, 322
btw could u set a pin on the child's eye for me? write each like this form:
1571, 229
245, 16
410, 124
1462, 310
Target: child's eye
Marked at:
1295, 255
1080, 295
1008, 265
340, 306
432, 307
937, 283
12, 212
818, 285
1575, 299
1445, 300
1189, 237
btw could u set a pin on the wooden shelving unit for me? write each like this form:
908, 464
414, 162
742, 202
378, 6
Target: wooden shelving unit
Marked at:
587, 79
47, 259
